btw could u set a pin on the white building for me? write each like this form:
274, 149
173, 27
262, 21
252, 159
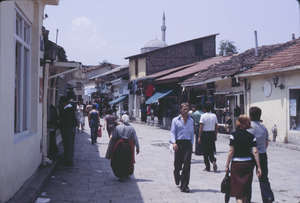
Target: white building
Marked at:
21, 92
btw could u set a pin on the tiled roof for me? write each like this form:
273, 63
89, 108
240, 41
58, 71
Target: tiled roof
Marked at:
195, 68
287, 58
91, 68
165, 72
117, 69
238, 63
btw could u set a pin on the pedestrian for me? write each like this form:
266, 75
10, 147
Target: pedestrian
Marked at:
67, 126
80, 116
262, 141
239, 155
94, 123
121, 149
197, 112
208, 131
109, 122
182, 138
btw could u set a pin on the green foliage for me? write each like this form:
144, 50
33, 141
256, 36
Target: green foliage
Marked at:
228, 46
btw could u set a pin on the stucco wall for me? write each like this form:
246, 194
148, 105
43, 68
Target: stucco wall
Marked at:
141, 68
19, 156
275, 109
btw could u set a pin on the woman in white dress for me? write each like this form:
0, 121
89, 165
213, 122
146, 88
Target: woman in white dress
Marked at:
80, 116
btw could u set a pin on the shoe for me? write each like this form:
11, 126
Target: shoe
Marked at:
186, 189
270, 200
208, 170
215, 167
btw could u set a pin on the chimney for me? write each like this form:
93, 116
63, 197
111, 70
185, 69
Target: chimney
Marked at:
256, 43
293, 37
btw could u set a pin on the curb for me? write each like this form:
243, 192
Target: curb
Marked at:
32, 188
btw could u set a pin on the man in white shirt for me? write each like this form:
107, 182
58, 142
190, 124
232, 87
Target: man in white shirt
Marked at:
208, 131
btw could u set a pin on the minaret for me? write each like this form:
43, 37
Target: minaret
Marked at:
163, 29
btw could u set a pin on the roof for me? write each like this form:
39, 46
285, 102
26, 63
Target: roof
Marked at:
284, 59
195, 68
91, 68
164, 72
116, 69
237, 64
138, 55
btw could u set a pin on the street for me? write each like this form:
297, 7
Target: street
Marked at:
92, 180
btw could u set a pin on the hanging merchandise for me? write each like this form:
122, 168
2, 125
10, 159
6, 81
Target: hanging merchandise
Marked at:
149, 90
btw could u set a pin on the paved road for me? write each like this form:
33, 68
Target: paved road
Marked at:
92, 180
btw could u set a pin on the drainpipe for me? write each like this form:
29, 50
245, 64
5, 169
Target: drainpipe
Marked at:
45, 115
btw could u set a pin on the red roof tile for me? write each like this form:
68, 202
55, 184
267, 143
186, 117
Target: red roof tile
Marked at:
287, 58
197, 67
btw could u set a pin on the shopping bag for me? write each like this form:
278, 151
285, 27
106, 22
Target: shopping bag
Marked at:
99, 133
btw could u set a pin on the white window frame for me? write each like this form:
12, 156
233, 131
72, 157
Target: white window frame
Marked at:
22, 43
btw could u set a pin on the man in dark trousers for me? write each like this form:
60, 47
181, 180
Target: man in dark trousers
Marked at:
182, 138
262, 140
67, 126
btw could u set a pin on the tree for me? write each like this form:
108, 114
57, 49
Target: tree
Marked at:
227, 46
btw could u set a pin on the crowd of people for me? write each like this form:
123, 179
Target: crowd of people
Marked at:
247, 149
195, 125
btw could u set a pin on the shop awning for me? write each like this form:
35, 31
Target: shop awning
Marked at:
118, 100
158, 95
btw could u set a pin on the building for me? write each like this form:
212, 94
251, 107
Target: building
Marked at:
21, 92
274, 86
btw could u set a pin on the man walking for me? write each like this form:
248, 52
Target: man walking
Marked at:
196, 117
67, 126
262, 140
208, 131
182, 138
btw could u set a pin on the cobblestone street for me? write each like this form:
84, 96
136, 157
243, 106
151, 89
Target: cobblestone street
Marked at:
92, 180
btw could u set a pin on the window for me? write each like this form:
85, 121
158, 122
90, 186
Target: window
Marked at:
22, 73
294, 112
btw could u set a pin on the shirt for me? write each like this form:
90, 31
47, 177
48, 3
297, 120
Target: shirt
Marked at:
261, 134
127, 132
196, 116
209, 121
242, 141
182, 131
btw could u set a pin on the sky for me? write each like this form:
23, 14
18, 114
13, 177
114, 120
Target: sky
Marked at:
92, 31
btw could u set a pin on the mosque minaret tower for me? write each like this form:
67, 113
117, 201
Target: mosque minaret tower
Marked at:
163, 28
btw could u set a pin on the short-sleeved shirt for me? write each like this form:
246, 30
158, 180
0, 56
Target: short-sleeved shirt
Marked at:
182, 131
261, 134
243, 142
196, 116
209, 121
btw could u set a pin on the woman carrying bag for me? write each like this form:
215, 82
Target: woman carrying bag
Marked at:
239, 155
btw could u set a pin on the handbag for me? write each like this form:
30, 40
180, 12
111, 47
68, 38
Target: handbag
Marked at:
225, 184
99, 133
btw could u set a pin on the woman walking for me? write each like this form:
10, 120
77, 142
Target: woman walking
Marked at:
94, 122
241, 143
80, 116
110, 122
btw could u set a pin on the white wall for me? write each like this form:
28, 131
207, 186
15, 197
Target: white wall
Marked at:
275, 107
19, 156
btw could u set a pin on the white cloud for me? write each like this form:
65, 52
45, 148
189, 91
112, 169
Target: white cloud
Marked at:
85, 34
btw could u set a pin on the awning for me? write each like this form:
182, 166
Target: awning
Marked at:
118, 100
158, 95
